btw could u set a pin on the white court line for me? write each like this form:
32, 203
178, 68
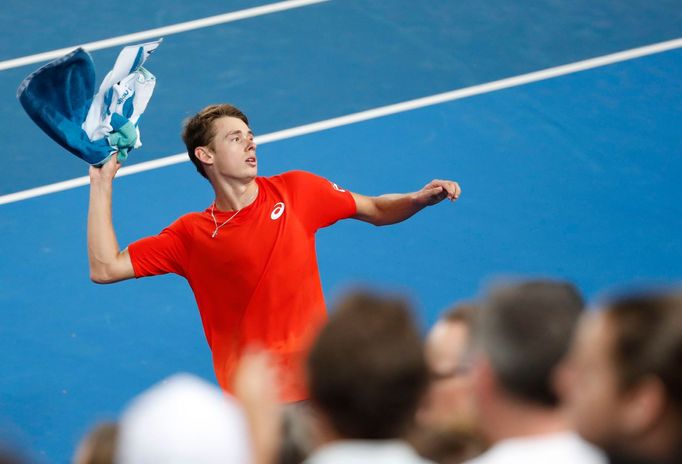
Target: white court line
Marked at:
374, 113
161, 31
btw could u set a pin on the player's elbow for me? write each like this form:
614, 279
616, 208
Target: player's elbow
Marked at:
101, 275
378, 222
107, 271
373, 220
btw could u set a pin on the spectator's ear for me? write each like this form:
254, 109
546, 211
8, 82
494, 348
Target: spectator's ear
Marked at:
484, 380
322, 428
644, 406
563, 379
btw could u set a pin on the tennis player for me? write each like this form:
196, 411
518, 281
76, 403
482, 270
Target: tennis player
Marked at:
250, 256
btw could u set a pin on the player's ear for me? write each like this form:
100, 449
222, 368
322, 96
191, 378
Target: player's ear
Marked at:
204, 155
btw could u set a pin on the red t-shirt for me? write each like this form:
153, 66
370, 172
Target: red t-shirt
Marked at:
257, 281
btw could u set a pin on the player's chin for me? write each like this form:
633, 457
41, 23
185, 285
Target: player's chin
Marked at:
250, 171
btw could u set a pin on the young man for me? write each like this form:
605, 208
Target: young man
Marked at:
250, 256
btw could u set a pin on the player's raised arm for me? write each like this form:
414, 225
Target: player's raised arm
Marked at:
396, 207
107, 262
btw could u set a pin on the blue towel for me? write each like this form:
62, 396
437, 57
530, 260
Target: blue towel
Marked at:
60, 98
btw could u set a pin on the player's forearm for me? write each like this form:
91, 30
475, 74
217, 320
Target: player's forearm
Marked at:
395, 207
103, 249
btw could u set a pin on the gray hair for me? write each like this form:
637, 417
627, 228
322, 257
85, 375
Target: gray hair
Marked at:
525, 329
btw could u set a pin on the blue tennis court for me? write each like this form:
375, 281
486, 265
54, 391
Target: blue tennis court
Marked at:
572, 175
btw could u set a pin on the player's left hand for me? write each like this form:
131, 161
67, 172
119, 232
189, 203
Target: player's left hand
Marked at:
438, 190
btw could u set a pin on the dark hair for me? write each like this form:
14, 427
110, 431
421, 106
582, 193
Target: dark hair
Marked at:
463, 313
647, 334
525, 330
100, 444
199, 130
366, 369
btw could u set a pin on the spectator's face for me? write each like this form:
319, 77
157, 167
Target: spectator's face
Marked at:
448, 401
589, 384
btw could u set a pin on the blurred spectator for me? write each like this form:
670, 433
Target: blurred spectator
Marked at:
623, 379
452, 445
14, 444
520, 334
98, 446
446, 431
449, 399
281, 433
10, 456
299, 436
183, 420
366, 376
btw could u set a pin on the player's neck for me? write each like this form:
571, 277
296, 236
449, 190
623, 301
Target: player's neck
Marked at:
235, 195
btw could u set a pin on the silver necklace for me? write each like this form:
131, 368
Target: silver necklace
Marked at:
215, 232
217, 227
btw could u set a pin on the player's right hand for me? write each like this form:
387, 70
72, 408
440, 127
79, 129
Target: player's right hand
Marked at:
107, 172
438, 190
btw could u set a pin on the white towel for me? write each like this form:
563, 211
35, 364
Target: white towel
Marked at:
126, 90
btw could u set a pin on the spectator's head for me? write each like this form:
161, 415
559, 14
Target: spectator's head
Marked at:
98, 446
199, 132
623, 377
10, 457
521, 332
449, 401
366, 369
183, 419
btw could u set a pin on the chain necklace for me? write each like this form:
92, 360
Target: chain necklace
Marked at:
215, 232
217, 227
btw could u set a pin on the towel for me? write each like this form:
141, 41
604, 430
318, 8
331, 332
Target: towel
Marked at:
60, 98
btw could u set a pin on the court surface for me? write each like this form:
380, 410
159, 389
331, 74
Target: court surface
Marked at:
568, 173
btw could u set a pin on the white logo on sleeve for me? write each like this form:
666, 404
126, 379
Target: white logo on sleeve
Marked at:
277, 211
336, 187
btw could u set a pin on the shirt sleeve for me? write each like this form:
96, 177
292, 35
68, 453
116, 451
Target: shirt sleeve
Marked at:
161, 254
319, 202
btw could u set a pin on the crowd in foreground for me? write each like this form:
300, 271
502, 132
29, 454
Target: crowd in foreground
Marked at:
525, 375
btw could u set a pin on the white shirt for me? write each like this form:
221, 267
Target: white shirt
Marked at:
555, 448
366, 451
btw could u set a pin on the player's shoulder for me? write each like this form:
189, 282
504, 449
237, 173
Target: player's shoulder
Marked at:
305, 177
293, 179
296, 175
186, 222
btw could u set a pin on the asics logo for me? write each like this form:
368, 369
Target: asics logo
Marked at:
277, 211
123, 97
336, 187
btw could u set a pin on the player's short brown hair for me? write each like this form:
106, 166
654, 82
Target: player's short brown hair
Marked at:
199, 130
366, 371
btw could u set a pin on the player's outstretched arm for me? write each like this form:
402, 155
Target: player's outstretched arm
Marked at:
396, 207
107, 262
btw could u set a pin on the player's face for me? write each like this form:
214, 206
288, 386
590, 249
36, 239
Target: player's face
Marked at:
234, 149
